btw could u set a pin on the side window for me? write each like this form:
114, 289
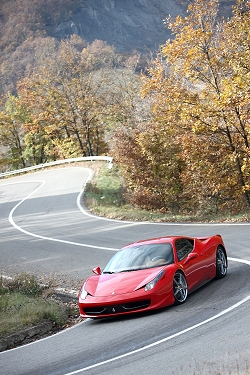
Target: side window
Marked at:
183, 247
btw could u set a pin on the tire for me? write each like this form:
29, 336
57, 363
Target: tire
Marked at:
221, 263
180, 288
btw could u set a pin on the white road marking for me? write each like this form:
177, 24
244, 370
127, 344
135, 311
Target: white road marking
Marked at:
11, 220
79, 197
226, 311
149, 222
89, 178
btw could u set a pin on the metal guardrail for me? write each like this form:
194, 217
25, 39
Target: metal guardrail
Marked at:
57, 162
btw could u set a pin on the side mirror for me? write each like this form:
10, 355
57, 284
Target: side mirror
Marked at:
97, 270
191, 256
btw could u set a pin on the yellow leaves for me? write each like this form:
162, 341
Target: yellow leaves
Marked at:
201, 92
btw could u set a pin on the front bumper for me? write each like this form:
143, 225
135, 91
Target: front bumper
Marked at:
138, 301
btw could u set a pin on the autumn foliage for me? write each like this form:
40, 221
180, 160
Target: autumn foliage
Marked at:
180, 132
196, 146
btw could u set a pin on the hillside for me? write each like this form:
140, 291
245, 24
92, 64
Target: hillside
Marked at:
31, 28
127, 25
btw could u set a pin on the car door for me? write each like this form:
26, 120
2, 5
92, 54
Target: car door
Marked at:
189, 261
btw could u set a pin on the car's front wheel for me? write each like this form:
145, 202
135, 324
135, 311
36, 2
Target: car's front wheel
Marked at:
221, 263
180, 288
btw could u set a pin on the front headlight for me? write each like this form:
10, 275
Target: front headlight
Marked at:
83, 293
152, 283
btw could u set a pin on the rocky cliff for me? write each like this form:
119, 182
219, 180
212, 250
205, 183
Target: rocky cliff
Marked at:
125, 24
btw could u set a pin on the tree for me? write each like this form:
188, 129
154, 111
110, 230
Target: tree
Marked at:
23, 26
150, 165
238, 59
65, 99
77, 100
12, 117
200, 89
27, 58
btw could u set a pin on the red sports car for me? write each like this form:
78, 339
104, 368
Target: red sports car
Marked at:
152, 274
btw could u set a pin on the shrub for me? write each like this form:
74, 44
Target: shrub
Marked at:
25, 284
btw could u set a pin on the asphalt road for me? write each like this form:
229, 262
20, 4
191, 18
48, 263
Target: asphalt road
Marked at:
45, 229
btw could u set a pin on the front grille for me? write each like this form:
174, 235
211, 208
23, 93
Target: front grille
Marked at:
116, 309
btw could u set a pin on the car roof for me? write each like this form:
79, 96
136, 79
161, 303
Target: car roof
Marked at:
158, 240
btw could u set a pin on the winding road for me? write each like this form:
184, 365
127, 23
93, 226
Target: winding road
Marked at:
45, 230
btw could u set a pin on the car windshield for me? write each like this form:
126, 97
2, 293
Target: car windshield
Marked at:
139, 257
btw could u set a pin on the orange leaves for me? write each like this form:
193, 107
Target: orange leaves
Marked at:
150, 165
65, 102
75, 97
200, 94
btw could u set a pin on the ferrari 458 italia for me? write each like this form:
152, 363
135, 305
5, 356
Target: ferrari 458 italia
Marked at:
152, 274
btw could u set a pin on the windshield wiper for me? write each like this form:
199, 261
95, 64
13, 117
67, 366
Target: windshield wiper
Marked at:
126, 270
131, 269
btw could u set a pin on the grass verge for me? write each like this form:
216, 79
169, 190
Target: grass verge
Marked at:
25, 303
105, 196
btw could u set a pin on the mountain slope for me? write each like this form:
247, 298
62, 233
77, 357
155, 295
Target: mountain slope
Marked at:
126, 24
26, 28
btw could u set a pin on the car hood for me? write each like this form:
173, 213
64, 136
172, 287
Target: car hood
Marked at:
119, 283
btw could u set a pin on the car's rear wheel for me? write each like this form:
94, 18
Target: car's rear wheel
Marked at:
221, 263
180, 288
